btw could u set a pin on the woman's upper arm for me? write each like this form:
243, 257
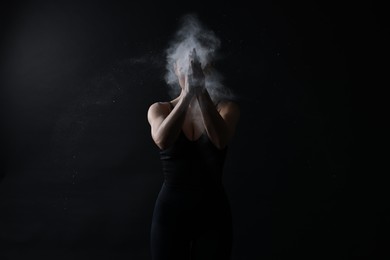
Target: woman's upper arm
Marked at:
156, 116
230, 112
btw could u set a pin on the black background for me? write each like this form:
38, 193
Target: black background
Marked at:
80, 173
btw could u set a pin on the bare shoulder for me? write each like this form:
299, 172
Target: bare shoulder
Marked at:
159, 106
158, 109
229, 106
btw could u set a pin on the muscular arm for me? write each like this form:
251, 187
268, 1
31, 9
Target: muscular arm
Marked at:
165, 125
219, 124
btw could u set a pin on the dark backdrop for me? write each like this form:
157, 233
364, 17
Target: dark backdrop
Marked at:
80, 173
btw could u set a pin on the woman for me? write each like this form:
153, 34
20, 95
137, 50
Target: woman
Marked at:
192, 217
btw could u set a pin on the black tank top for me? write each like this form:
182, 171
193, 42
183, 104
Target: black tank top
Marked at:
193, 164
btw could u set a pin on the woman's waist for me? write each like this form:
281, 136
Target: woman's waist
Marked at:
209, 193
204, 185
191, 173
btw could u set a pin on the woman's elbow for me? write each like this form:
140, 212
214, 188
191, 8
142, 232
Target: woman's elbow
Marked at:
160, 142
220, 143
221, 146
161, 145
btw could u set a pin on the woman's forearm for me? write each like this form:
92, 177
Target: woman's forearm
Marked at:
169, 129
214, 124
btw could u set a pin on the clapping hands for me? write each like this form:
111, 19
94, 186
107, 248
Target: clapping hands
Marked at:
195, 80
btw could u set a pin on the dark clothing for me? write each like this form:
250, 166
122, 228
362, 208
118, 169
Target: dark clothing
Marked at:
192, 217
193, 163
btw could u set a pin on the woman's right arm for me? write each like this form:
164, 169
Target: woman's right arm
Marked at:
166, 125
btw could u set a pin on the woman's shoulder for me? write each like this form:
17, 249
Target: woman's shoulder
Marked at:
228, 104
158, 109
160, 106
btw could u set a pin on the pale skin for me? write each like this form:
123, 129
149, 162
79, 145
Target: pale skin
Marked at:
194, 113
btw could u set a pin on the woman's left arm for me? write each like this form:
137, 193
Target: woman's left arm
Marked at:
220, 122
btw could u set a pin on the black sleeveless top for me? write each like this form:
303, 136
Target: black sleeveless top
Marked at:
193, 164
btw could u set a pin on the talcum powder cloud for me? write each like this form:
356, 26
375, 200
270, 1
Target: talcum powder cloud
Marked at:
192, 34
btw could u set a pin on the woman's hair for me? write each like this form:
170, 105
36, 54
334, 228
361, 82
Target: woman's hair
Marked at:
193, 35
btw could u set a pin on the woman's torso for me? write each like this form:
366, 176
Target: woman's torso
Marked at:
192, 126
193, 161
